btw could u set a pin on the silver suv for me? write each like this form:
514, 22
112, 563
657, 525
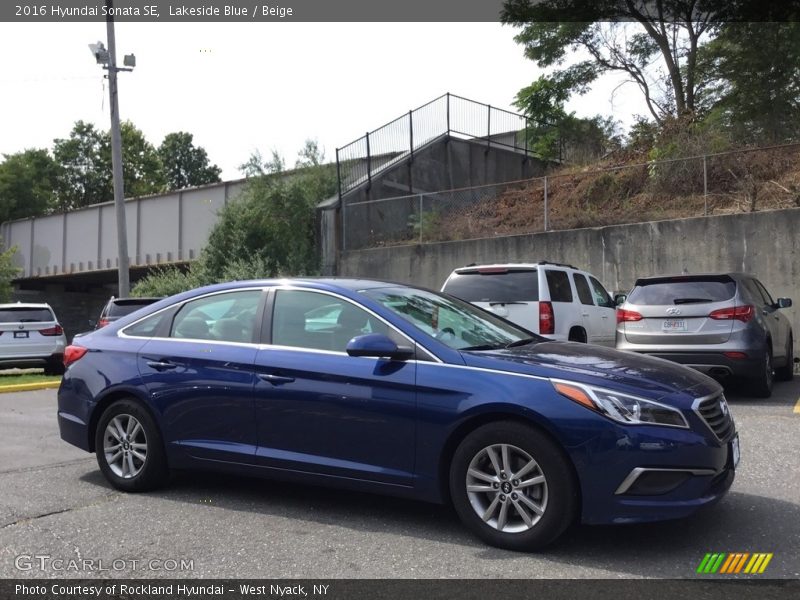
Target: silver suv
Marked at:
30, 336
721, 324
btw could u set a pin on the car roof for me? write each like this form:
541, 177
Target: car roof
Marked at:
511, 266
24, 305
732, 275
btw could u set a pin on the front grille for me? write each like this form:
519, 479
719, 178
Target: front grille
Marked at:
719, 420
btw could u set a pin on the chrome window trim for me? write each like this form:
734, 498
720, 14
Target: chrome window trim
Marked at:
121, 333
488, 370
639, 471
294, 288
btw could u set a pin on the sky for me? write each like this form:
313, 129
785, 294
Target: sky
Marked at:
242, 87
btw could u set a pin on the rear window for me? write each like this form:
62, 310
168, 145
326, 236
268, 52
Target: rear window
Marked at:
505, 286
25, 315
683, 291
120, 309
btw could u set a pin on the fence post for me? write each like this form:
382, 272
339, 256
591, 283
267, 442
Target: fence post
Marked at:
705, 186
339, 173
545, 203
411, 132
419, 218
448, 113
343, 208
525, 134
488, 127
369, 165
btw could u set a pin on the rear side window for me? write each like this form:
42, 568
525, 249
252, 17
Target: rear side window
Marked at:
226, 317
26, 315
504, 286
557, 281
683, 290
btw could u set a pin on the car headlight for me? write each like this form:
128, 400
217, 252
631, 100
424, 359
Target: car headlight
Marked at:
623, 408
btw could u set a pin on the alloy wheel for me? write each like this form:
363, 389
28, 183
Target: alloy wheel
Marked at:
507, 488
125, 446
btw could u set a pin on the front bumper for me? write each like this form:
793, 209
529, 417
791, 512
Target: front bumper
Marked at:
661, 474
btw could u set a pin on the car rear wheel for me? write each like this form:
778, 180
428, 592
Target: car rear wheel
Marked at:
512, 486
786, 373
762, 383
54, 366
129, 448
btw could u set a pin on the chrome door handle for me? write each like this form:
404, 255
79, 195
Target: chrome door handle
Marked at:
161, 365
275, 379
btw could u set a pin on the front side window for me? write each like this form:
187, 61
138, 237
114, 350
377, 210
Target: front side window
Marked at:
227, 317
315, 321
601, 296
458, 324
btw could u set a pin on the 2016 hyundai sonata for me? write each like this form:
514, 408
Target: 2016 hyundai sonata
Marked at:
388, 388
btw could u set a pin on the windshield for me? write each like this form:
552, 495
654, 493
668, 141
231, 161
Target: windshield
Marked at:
453, 322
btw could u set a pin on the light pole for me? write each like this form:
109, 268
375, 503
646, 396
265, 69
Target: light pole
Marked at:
108, 58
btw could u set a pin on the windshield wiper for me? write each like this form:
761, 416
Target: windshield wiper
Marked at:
484, 347
691, 300
522, 342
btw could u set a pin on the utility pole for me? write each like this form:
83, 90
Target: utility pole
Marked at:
108, 58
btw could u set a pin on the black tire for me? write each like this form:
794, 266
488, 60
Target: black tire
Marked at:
761, 384
558, 495
786, 372
54, 366
146, 475
576, 334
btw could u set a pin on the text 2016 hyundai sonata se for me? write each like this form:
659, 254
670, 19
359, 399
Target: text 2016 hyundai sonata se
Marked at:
387, 388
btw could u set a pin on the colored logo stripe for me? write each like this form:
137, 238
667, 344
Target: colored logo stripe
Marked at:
724, 563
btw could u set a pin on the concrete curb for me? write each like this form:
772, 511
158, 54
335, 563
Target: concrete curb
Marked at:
28, 387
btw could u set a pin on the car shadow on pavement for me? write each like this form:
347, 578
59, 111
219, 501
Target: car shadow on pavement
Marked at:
739, 523
784, 393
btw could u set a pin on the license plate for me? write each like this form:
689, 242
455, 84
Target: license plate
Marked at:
20, 334
735, 451
674, 325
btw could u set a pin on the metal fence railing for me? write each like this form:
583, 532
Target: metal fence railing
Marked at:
359, 161
729, 182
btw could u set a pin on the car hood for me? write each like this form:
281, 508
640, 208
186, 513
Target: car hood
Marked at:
645, 376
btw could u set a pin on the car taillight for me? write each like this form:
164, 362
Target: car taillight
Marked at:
740, 313
73, 353
102, 323
57, 330
627, 315
547, 320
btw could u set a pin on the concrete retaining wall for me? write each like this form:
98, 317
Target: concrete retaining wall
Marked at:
766, 244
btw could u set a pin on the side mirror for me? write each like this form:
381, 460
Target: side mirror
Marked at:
378, 345
784, 302
619, 299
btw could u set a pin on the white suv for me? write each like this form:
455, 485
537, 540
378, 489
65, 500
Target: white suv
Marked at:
30, 336
554, 300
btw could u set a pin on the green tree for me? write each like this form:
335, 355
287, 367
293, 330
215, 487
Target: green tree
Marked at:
184, 164
7, 272
28, 181
85, 161
753, 75
655, 44
269, 230
142, 171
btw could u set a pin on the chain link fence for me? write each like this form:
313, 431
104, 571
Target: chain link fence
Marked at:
714, 184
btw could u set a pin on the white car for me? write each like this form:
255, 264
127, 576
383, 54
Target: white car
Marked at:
557, 301
30, 336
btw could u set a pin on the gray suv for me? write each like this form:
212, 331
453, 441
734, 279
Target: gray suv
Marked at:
721, 324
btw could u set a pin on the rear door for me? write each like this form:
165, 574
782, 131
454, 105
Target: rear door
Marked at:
589, 311
509, 292
607, 310
675, 310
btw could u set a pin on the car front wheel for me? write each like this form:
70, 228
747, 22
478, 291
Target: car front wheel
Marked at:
512, 486
129, 449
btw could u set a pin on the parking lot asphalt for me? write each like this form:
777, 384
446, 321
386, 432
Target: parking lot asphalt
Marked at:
54, 503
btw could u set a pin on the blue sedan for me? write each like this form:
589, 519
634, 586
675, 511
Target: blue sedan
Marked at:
387, 388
